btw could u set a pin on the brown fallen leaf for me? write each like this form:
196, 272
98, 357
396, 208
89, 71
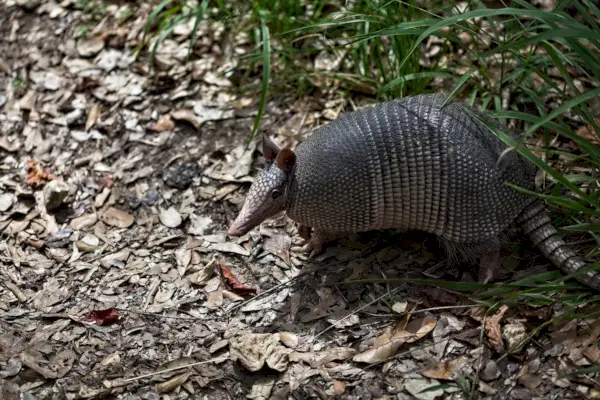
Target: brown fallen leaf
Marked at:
255, 350
92, 117
115, 217
386, 345
36, 175
173, 383
279, 245
232, 283
187, 116
493, 331
590, 345
54, 368
164, 123
588, 132
445, 370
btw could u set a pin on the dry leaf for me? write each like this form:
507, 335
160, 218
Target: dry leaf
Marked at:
92, 117
115, 217
254, 350
445, 370
36, 175
54, 368
173, 383
165, 123
102, 317
232, 283
187, 116
493, 331
279, 245
387, 344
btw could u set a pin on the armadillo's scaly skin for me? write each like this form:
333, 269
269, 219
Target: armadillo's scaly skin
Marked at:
408, 164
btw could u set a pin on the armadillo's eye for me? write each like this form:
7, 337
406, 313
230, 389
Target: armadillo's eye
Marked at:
275, 193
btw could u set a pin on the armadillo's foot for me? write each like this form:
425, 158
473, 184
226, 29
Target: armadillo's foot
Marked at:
304, 231
314, 240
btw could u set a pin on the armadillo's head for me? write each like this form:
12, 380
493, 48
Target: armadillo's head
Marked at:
268, 194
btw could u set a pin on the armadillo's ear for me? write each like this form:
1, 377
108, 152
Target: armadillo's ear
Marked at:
285, 160
269, 149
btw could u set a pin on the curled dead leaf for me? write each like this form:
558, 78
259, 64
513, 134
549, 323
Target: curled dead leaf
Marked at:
187, 116
493, 331
115, 217
386, 345
255, 350
173, 383
445, 370
232, 283
92, 117
54, 368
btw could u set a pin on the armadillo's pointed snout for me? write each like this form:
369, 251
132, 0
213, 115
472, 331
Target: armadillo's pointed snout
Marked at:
242, 224
236, 230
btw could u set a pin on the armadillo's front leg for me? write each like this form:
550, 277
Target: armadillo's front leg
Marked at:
314, 240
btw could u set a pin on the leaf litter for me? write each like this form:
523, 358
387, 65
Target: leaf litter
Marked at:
117, 277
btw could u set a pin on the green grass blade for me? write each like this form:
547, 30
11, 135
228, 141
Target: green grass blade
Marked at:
266, 52
200, 11
461, 81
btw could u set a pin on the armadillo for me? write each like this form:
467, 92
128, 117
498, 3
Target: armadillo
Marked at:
417, 163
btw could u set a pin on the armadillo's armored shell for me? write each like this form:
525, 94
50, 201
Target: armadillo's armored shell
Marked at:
411, 164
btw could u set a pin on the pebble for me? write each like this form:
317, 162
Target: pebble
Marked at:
55, 192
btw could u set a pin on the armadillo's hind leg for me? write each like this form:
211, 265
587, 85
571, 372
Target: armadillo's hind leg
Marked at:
490, 260
486, 253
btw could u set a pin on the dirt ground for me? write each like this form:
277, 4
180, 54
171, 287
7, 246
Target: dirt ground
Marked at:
117, 278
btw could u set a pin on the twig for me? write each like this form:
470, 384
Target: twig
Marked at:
136, 378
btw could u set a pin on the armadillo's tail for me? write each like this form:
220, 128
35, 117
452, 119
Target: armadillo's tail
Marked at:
535, 222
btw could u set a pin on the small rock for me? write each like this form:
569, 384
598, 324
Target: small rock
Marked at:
150, 198
55, 192
515, 335
84, 221
170, 217
180, 176
59, 239
101, 197
485, 388
6, 201
88, 243
29, 5
521, 394
289, 339
90, 47
490, 371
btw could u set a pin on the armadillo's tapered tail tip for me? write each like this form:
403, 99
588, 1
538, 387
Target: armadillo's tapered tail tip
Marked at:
536, 223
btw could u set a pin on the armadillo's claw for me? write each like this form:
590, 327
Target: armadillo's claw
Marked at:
315, 241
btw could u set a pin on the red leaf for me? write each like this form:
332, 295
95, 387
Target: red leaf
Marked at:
102, 317
233, 284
